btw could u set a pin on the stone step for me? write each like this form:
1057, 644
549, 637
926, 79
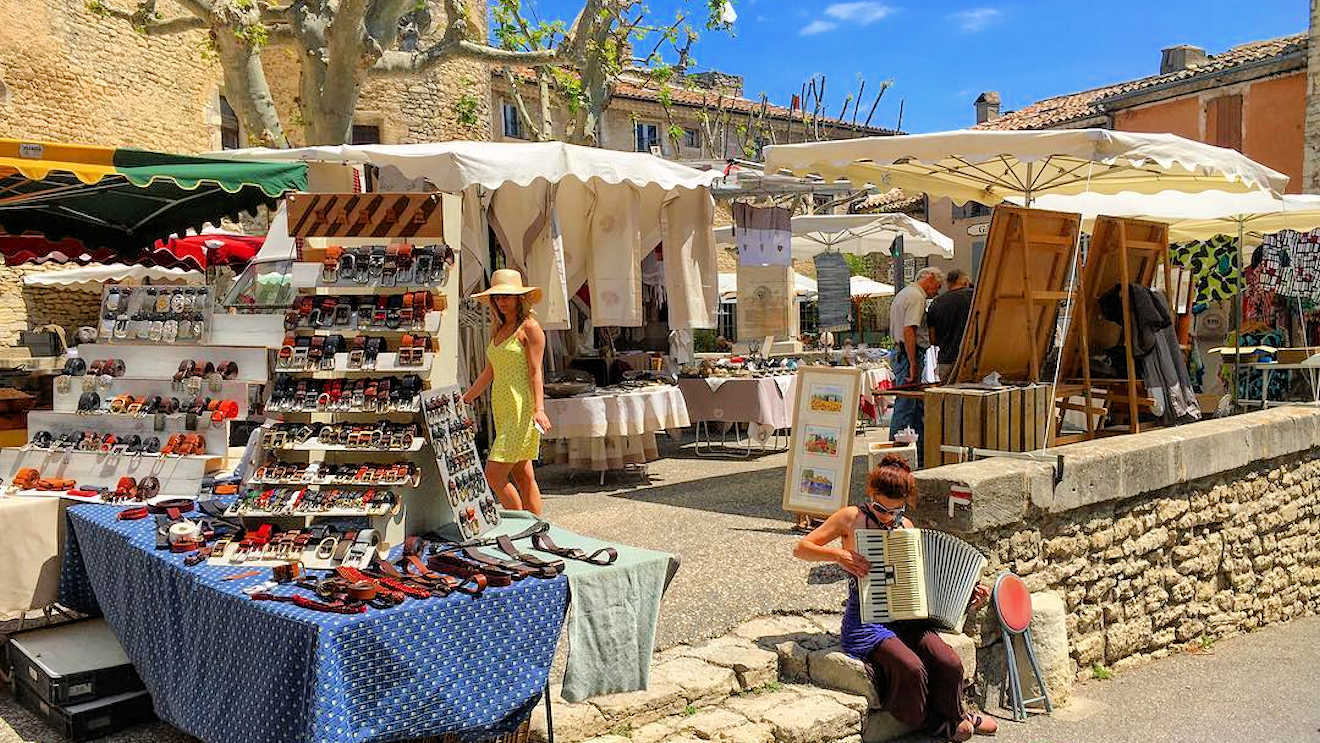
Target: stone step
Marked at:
736, 688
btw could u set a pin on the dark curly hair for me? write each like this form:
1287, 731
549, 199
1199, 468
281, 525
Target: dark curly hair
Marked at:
892, 478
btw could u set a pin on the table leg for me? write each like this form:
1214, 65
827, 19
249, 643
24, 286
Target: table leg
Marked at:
549, 716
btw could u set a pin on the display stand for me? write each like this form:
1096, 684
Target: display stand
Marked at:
362, 304
451, 428
147, 398
1122, 252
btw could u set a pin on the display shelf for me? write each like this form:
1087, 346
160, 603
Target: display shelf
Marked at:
145, 361
356, 289
323, 483
179, 476
67, 402
341, 513
217, 437
417, 443
328, 416
430, 324
385, 364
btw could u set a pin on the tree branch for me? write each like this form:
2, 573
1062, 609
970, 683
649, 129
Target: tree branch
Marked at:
396, 63
144, 18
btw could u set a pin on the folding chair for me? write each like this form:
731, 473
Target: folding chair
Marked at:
1012, 603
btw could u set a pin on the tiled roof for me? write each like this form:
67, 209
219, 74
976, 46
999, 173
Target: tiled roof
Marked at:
696, 97
1064, 109
893, 200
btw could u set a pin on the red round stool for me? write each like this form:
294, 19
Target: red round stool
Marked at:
1012, 603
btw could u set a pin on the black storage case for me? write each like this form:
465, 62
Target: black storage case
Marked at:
87, 720
72, 663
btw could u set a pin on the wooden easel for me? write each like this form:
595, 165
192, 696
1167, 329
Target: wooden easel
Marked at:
1024, 273
1123, 252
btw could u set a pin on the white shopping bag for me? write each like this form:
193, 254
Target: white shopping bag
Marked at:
928, 373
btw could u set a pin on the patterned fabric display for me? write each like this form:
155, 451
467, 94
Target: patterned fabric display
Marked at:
222, 667
1215, 265
1290, 264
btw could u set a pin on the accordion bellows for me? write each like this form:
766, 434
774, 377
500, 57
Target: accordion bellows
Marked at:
917, 574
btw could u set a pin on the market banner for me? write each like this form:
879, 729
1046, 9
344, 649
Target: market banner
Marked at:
763, 235
833, 291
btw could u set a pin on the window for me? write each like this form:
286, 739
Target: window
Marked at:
691, 138
1223, 121
366, 134
970, 210
648, 136
727, 321
229, 131
808, 317
512, 121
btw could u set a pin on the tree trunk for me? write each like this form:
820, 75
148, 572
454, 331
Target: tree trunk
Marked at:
248, 92
1311, 147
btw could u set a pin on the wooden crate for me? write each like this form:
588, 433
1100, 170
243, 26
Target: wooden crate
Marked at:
1010, 419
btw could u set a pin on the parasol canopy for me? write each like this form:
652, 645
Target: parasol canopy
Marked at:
197, 252
119, 200
1199, 216
990, 166
859, 234
860, 287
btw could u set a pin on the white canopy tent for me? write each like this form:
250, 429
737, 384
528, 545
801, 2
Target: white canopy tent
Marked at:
91, 278
859, 234
566, 215
861, 287
990, 166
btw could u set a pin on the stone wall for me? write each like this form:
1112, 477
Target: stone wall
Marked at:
1147, 567
25, 307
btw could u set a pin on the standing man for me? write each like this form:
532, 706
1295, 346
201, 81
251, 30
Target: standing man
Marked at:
947, 319
907, 327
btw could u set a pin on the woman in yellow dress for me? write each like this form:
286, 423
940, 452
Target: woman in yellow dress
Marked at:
513, 373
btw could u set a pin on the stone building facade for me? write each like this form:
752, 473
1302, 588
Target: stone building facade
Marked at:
639, 116
67, 74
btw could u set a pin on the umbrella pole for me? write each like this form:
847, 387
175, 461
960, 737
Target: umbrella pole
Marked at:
1237, 319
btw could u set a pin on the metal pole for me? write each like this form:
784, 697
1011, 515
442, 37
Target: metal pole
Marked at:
1237, 319
896, 256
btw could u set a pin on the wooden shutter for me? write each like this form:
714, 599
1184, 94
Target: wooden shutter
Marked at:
1223, 121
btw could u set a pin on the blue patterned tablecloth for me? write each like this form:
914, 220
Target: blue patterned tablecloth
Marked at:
222, 667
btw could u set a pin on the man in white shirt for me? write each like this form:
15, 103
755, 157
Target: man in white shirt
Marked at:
907, 326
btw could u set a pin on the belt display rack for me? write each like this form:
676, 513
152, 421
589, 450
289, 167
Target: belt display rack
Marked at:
134, 421
346, 438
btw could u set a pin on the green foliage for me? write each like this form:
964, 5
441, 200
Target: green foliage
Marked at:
623, 730
465, 108
856, 266
1101, 672
1205, 644
689, 711
255, 35
97, 8
768, 687
703, 340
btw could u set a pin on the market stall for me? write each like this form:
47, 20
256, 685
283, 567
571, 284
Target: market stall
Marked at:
758, 405
612, 428
989, 167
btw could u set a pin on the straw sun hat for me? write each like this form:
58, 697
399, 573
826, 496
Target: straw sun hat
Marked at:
509, 281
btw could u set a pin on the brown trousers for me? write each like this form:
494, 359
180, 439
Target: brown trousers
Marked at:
919, 677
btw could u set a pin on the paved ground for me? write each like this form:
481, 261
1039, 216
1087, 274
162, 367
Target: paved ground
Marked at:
1257, 687
723, 518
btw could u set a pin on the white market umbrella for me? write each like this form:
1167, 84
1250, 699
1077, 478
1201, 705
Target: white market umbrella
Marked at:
990, 166
858, 234
861, 287
91, 278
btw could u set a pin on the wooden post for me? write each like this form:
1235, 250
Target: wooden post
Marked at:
1125, 278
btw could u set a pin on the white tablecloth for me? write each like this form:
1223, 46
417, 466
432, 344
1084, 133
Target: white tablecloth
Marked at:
31, 546
611, 429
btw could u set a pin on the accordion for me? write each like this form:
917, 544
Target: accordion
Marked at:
917, 574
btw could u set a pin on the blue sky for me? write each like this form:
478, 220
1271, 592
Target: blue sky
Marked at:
941, 55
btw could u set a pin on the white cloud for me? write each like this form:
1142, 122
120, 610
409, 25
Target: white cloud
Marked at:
975, 19
864, 13
861, 13
817, 27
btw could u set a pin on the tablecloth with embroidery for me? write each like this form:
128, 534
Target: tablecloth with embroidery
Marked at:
222, 667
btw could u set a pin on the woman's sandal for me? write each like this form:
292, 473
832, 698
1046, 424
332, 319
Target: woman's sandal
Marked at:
981, 724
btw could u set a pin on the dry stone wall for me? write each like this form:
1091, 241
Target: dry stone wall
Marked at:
26, 307
1147, 573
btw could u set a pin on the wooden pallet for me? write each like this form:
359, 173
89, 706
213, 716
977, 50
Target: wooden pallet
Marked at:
1122, 251
1024, 273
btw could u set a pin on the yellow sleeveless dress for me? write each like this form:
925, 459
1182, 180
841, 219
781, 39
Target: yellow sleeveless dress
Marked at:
516, 439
